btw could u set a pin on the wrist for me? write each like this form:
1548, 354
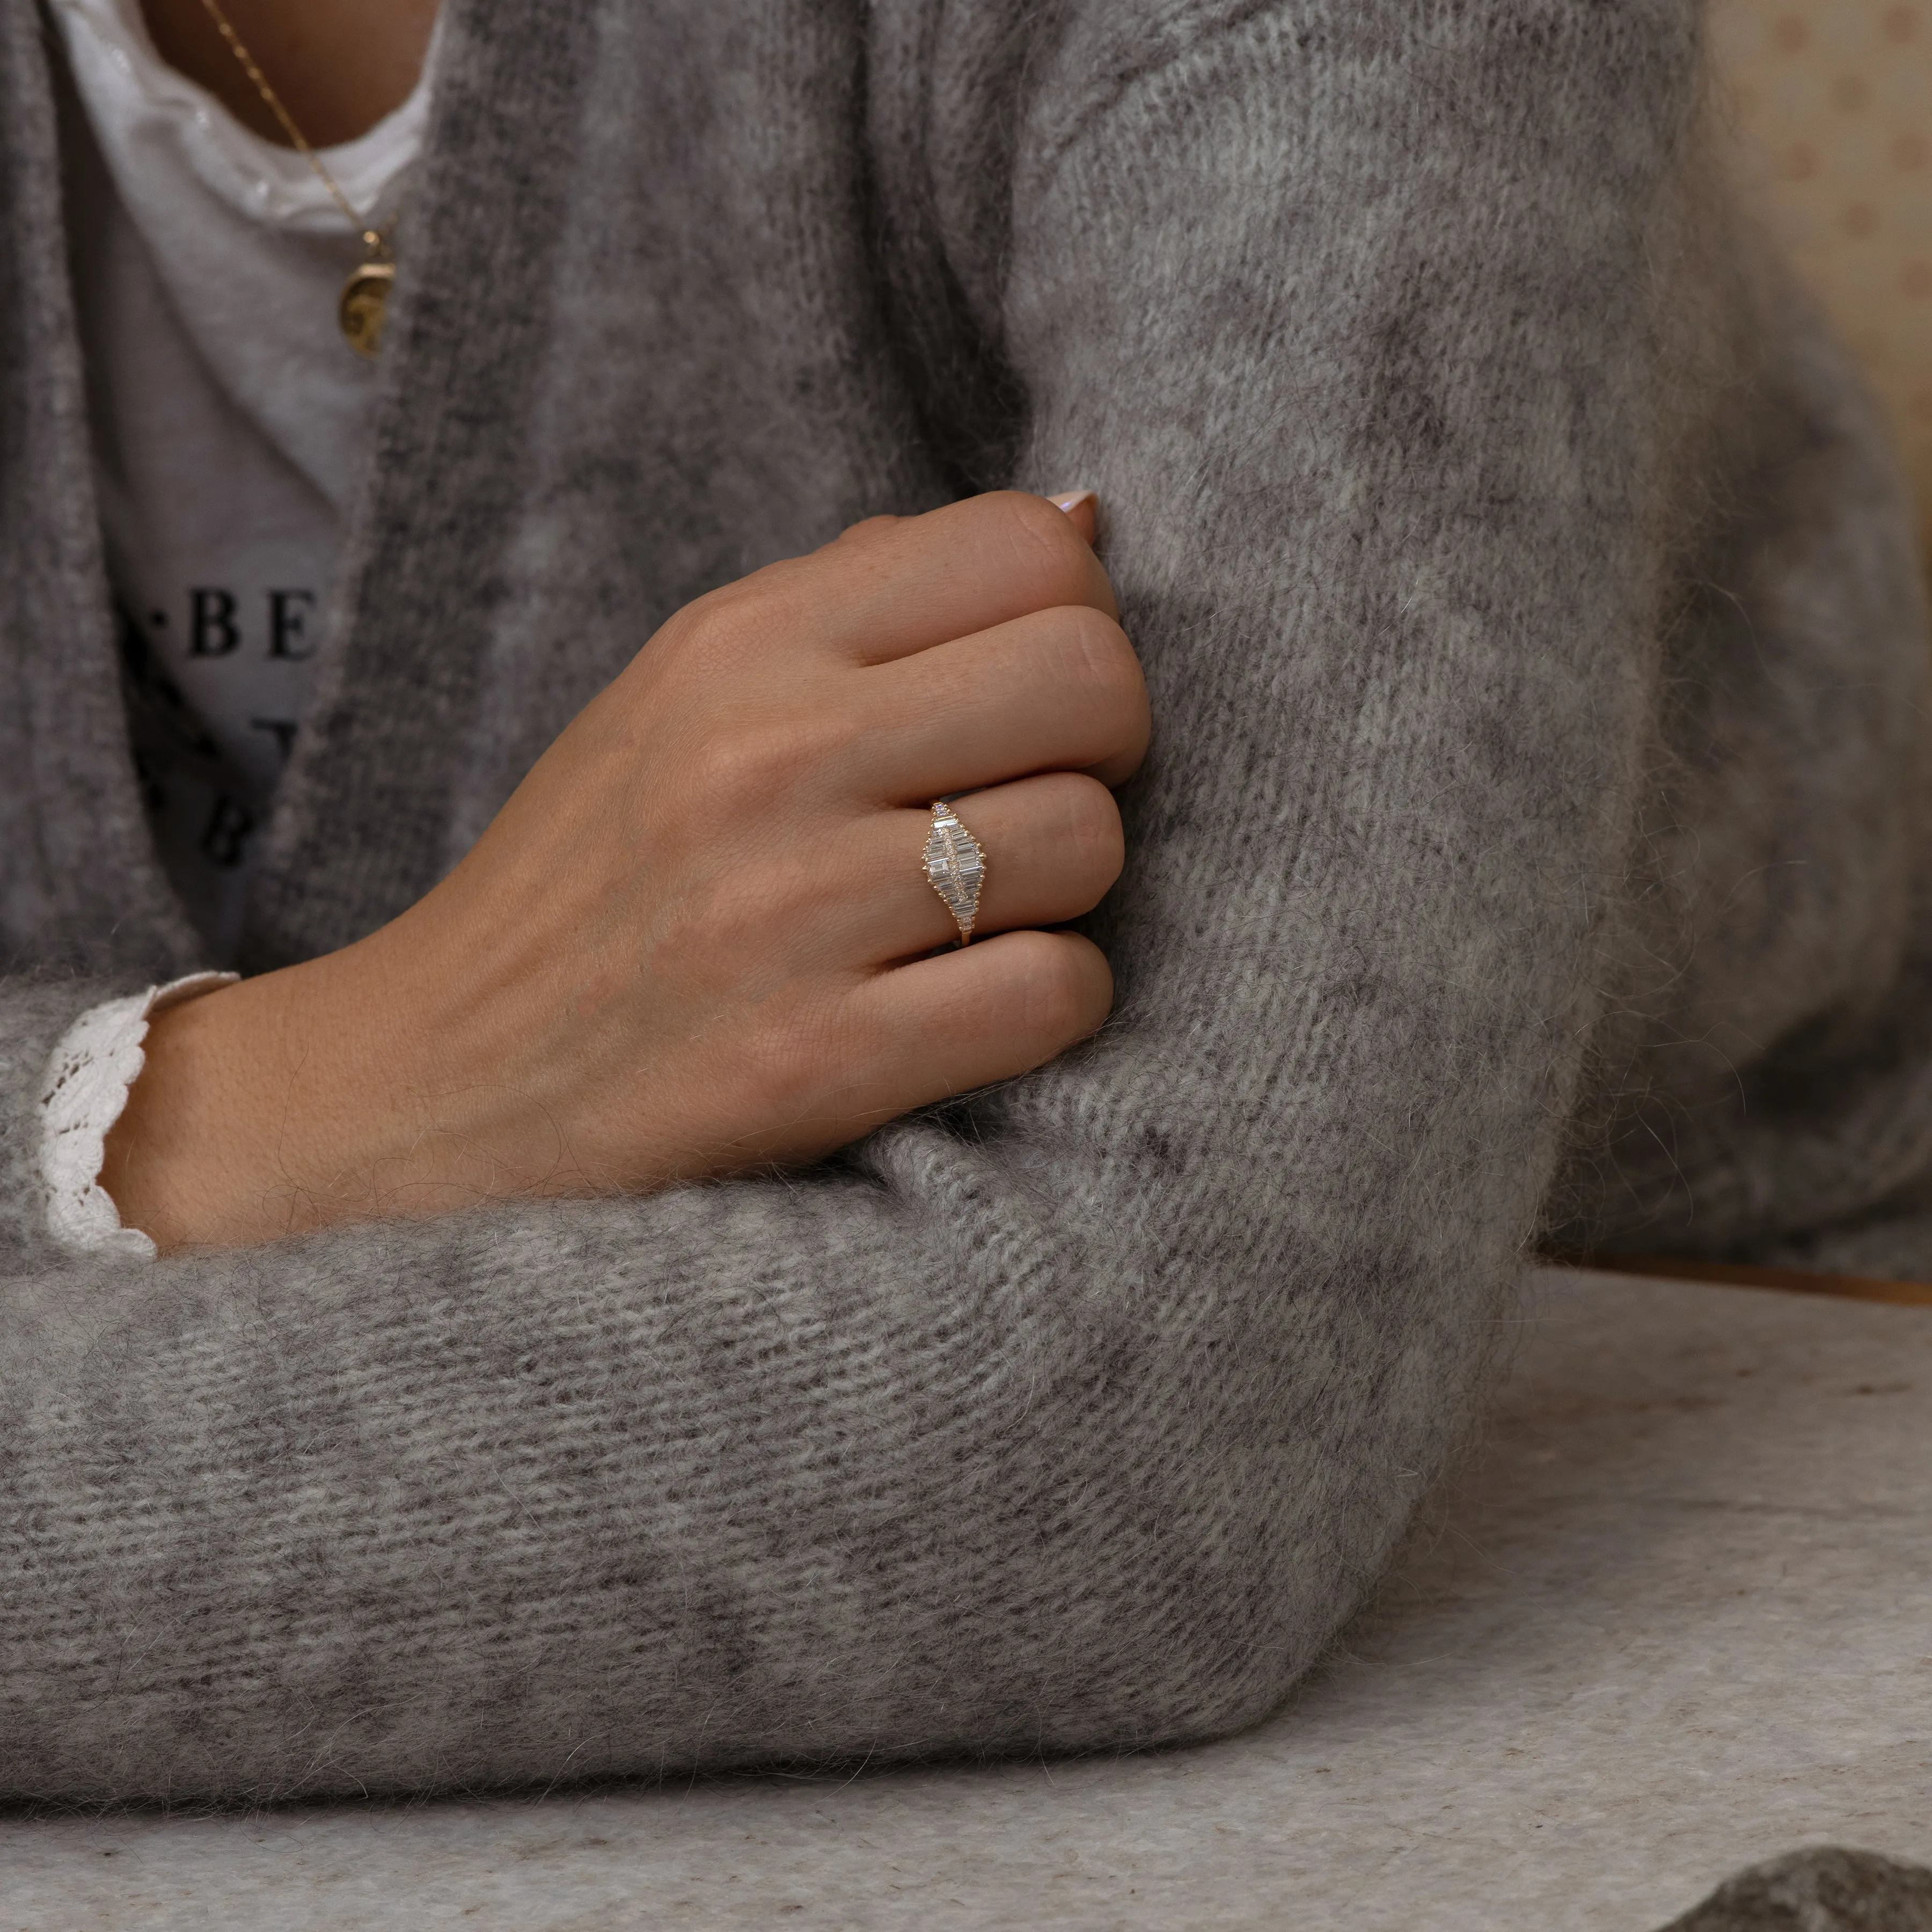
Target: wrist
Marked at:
265, 1109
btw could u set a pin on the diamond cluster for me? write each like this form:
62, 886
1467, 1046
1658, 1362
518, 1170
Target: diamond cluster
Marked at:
956, 867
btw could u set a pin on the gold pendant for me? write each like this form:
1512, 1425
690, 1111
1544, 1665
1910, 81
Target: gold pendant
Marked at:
364, 305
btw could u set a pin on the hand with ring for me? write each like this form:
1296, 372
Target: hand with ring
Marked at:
720, 923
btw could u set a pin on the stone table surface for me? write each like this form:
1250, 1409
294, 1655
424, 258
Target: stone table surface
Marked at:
1674, 1615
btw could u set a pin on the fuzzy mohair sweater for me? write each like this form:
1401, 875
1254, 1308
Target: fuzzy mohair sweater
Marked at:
1534, 836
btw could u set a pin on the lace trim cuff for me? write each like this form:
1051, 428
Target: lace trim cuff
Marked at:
98, 1059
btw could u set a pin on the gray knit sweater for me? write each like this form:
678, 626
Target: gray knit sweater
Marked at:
1533, 830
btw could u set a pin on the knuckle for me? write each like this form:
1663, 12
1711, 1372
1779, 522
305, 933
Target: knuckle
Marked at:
1045, 545
702, 638
1100, 658
867, 533
799, 1062
1092, 833
726, 769
736, 623
1062, 988
739, 772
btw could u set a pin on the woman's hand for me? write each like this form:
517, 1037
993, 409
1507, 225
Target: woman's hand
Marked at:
698, 937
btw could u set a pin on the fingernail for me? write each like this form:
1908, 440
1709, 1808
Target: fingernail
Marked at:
1084, 507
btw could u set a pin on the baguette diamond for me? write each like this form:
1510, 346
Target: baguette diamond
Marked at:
956, 867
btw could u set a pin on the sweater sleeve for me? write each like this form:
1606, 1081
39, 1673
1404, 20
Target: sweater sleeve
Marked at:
1078, 1414
37, 1013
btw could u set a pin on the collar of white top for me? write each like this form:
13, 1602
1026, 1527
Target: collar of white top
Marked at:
125, 80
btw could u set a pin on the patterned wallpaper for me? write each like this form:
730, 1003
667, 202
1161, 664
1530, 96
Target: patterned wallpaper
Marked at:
1831, 102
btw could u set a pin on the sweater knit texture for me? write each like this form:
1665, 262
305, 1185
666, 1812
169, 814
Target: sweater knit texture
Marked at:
1533, 837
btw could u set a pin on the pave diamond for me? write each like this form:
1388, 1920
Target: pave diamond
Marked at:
956, 867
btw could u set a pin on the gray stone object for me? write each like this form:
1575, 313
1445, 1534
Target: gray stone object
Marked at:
1828, 1890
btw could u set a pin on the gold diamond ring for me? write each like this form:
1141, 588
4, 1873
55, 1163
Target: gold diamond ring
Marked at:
956, 867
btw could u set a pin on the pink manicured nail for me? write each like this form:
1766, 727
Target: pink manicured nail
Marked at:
1075, 499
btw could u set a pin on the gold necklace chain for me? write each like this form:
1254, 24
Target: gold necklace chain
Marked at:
363, 304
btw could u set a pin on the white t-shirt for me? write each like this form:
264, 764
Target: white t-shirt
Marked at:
230, 420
